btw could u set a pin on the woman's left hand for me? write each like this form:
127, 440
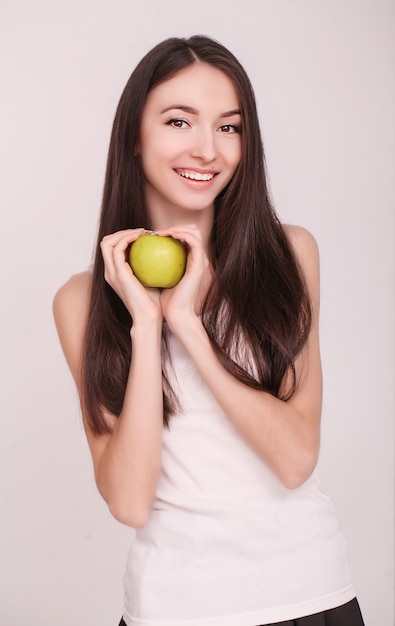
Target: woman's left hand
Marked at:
184, 301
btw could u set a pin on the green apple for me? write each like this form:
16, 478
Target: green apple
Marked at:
158, 261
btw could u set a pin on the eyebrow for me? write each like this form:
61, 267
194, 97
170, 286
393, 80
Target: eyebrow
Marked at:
193, 111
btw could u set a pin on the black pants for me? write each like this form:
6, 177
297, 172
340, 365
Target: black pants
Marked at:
346, 615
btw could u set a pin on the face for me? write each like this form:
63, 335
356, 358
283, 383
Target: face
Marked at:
189, 142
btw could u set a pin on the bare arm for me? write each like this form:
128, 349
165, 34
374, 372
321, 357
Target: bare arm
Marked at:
285, 434
127, 461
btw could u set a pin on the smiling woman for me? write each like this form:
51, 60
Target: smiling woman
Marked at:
185, 148
202, 402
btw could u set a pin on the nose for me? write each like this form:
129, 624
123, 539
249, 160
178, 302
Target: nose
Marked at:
204, 145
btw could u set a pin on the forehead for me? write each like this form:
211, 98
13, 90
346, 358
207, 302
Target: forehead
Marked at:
199, 85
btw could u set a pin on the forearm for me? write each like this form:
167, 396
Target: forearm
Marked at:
129, 467
285, 437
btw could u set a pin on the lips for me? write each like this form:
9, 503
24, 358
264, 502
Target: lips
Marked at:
195, 175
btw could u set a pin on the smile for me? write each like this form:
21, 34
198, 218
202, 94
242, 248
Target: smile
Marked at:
191, 174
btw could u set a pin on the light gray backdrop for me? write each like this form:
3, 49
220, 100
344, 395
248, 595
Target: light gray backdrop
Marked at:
323, 72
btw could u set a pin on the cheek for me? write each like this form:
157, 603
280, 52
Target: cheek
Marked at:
235, 156
150, 153
157, 148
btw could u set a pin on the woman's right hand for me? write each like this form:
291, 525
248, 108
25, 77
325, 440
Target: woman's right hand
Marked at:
142, 303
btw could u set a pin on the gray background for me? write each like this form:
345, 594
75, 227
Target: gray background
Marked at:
323, 73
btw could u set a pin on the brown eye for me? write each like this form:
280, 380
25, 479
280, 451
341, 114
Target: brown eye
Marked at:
229, 128
177, 123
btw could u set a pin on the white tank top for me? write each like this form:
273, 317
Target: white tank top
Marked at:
227, 544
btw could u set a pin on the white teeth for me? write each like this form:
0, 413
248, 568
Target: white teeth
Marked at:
195, 175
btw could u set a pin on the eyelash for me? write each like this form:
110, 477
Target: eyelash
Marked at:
176, 120
235, 127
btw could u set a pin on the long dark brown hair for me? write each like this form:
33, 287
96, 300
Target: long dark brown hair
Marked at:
257, 304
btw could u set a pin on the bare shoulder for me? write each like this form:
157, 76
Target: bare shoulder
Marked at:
76, 291
302, 242
70, 310
306, 251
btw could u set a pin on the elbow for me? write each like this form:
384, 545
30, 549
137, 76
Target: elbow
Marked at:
135, 516
129, 505
126, 508
295, 480
297, 474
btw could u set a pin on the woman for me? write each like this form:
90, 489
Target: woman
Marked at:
202, 402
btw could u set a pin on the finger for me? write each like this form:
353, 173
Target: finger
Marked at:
191, 239
177, 231
114, 239
114, 246
197, 258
